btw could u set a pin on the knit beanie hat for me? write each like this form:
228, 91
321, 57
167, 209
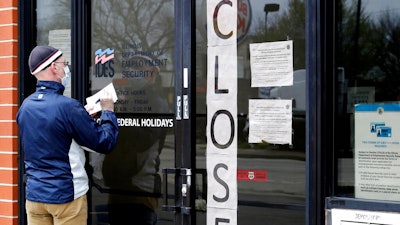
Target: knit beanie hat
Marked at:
41, 57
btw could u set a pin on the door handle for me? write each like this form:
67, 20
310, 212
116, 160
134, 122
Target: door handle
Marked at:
185, 175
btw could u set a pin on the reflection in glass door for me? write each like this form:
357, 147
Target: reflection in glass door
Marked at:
367, 73
271, 178
133, 48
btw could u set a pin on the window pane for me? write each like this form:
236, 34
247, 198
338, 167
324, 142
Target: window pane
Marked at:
54, 28
133, 48
278, 193
367, 47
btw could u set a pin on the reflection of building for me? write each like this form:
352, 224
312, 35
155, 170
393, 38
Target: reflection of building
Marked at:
319, 182
135, 158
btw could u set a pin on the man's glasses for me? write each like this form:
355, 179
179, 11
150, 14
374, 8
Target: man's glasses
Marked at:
66, 63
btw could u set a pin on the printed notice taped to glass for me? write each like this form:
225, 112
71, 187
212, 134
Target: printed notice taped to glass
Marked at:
377, 151
271, 64
363, 217
61, 39
93, 101
270, 121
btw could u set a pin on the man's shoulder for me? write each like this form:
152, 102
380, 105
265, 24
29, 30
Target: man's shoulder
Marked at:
68, 104
68, 100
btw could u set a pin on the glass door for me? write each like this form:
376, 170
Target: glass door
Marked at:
367, 76
132, 48
271, 177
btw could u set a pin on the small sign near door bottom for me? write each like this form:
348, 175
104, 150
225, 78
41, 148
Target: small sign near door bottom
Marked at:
252, 175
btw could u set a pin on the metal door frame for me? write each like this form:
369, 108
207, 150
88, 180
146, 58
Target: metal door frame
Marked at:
185, 116
318, 165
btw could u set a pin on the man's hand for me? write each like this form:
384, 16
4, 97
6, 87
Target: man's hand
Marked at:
90, 108
107, 103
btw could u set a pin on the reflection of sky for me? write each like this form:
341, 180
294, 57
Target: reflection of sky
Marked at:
373, 7
257, 7
377, 8
47, 9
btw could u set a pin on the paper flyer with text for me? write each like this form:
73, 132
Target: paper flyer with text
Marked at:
377, 151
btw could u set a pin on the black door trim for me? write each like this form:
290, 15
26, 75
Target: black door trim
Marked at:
185, 111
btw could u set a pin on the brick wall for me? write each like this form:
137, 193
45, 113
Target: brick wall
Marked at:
8, 109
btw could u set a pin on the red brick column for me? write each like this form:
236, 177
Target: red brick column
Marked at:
8, 109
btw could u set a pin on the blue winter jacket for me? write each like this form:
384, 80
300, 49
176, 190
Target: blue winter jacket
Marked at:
48, 122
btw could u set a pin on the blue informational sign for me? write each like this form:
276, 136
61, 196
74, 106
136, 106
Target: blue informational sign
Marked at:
377, 151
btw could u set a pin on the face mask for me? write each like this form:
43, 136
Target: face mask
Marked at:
65, 80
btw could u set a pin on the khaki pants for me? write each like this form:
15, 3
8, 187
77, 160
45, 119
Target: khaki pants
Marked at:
71, 213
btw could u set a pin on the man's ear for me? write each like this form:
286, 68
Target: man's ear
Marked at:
53, 65
53, 68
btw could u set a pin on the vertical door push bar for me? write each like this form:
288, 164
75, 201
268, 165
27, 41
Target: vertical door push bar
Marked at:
182, 206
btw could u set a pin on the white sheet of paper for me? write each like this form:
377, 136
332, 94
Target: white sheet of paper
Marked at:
229, 216
61, 39
270, 121
94, 100
376, 151
87, 149
271, 64
222, 182
359, 217
222, 79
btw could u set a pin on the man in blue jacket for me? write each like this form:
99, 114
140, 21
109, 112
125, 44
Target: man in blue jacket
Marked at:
51, 128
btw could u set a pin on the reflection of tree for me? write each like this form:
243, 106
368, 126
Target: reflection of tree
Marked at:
289, 24
352, 41
57, 16
369, 50
145, 22
386, 53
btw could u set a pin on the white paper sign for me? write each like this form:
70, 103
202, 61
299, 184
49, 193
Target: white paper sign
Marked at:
270, 121
359, 95
377, 151
223, 74
271, 64
61, 39
221, 23
94, 100
221, 112
363, 217
222, 217
222, 130
222, 173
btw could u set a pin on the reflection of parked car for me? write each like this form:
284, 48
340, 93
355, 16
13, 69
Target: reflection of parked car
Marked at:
297, 91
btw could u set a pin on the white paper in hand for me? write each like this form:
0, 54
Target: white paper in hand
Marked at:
93, 101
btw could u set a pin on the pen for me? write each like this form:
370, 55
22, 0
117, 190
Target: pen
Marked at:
97, 101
